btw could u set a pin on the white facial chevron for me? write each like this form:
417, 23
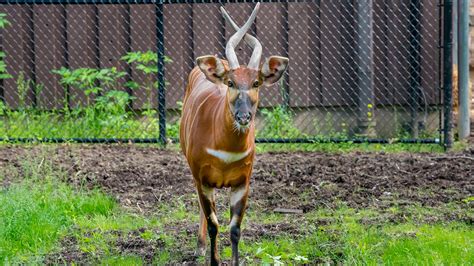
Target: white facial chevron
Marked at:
229, 157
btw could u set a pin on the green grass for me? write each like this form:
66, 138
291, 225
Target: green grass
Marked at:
349, 147
451, 244
122, 260
92, 123
36, 124
353, 147
345, 240
35, 214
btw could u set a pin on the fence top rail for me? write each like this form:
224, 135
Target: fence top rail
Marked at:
101, 2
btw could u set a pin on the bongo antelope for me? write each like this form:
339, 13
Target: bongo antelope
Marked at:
217, 130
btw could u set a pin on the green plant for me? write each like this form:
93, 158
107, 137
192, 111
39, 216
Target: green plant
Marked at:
279, 123
147, 64
3, 67
3, 20
114, 102
91, 81
108, 113
23, 85
172, 129
37, 89
3, 108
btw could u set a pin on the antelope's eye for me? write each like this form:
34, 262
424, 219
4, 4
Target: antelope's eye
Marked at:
230, 84
255, 84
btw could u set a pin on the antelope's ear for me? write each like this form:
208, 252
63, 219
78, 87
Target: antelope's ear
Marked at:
273, 69
212, 67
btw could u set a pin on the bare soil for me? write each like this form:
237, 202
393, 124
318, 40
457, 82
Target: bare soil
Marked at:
143, 177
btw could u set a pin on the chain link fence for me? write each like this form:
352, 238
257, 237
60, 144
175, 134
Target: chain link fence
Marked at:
90, 70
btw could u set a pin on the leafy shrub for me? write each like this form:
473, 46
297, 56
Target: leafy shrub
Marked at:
172, 129
3, 67
279, 123
106, 113
147, 64
91, 81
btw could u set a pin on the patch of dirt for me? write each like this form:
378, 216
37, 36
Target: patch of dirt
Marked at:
142, 177
308, 180
118, 242
69, 253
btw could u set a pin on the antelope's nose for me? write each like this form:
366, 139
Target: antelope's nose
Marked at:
243, 118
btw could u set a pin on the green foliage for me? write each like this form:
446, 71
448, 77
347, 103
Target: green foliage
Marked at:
145, 63
91, 81
3, 66
279, 124
3, 108
451, 244
39, 209
113, 102
3, 20
107, 112
172, 129
468, 199
23, 85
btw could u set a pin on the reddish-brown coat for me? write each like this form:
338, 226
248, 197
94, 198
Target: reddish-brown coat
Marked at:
207, 123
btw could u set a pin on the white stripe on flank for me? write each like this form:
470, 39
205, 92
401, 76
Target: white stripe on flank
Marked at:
229, 157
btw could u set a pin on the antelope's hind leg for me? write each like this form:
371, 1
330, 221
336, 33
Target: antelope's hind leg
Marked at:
238, 204
208, 214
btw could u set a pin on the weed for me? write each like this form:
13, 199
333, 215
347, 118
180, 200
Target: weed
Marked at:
3, 66
92, 81
23, 85
278, 123
172, 129
147, 64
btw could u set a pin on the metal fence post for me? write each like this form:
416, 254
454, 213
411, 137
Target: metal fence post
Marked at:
365, 67
463, 67
161, 71
448, 72
415, 68
456, 36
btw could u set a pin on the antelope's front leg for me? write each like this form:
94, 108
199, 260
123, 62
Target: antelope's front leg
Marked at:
202, 234
238, 203
208, 207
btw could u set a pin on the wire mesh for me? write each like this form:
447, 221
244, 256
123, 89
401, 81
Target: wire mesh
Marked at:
92, 69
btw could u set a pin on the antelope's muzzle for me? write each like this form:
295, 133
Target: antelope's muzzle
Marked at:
243, 118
